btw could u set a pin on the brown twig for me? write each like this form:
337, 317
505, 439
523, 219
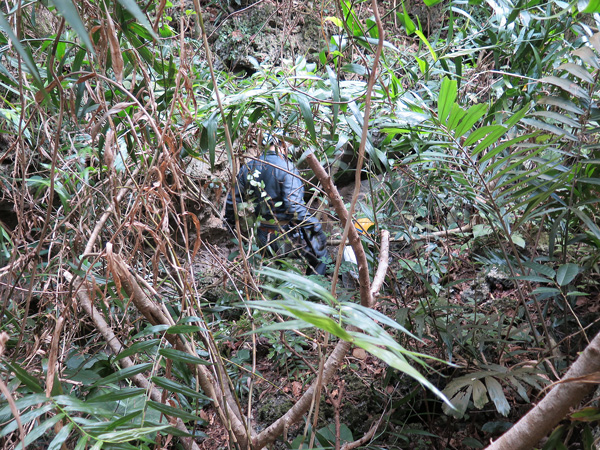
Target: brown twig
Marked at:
116, 346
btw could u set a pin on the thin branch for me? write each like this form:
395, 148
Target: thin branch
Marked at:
117, 347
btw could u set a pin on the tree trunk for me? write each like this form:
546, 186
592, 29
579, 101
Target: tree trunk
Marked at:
566, 394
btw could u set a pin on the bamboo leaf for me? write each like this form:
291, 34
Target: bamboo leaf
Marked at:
577, 71
566, 85
114, 396
122, 436
550, 128
174, 386
587, 55
115, 48
70, 403
307, 114
558, 117
25, 419
61, 437
566, 273
135, 11
25, 378
123, 373
565, 104
25, 55
40, 430
184, 328
138, 347
69, 11
174, 412
183, 357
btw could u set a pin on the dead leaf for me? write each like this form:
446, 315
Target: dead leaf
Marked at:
296, 388
359, 353
115, 48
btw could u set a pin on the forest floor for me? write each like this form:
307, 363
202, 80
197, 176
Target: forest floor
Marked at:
366, 391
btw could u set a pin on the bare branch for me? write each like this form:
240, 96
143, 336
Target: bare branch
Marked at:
116, 346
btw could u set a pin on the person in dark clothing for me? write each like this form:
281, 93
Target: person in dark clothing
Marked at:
273, 185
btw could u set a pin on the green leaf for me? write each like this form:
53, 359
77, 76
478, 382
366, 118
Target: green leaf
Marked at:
25, 378
138, 347
474, 113
589, 222
335, 20
480, 230
25, 419
406, 21
587, 55
567, 85
70, 403
460, 402
174, 412
519, 388
546, 290
135, 11
497, 395
184, 329
142, 433
518, 240
40, 430
566, 273
123, 373
577, 71
22, 403
426, 42
25, 55
82, 443
590, 6
183, 357
480, 398
61, 437
541, 269
307, 114
69, 11
120, 394
446, 99
563, 103
174, 386
550, 128
565, 120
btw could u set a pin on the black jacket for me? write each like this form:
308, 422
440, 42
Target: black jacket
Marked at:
274, 185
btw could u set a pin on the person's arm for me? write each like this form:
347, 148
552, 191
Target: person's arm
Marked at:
293, 195
240, 190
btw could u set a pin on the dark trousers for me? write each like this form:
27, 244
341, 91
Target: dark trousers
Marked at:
292, 242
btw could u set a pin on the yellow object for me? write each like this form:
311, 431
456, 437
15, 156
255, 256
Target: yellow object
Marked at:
362, 225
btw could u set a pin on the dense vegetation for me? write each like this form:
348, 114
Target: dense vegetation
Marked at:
129, 319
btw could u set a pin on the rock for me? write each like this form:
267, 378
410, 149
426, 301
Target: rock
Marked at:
497, 279
478, 291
